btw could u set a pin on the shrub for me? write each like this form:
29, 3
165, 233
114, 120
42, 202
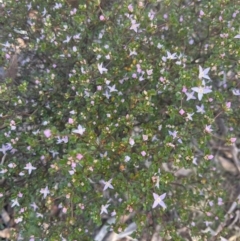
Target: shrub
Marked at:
105, 105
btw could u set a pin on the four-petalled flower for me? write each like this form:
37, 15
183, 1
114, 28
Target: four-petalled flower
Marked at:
101, 68
107, 185
158, 200
203, 73
134, 25
201, 90
45, 191
29, 167
80, 130
104, 209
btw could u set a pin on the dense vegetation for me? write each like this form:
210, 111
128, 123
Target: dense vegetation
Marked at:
108, 109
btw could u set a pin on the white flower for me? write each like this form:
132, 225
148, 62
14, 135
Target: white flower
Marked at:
80, 130
208, 128
45, 191
131, 142
127, 158
29, 167
101, 69
203, 73
200, 109
158, 200
171, 56
190, 96
189, 116
104, 208
107, 184
201, 90
15, 203
112, 89
134, 25
67, 39
236, 92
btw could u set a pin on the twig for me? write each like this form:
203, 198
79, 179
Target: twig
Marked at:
223, 224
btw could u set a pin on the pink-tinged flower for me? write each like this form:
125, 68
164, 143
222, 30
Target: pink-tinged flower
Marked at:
210, 157
79, 156
20, 194
233, 139
151, 14
73, 165
131, 142
18, 220
220, 201
208, 128
143, 153
99, 87
130, 8
81, 206
201, 13
22, 210
72, 12
113, 213
47, 133
162, 79
210, 203
184, 89
102, 18
158, 200
145, 137
32, 238
228, 105
134, 25
149, 71
70, 120
181, 112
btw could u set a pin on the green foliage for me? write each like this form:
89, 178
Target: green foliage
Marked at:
128, 110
